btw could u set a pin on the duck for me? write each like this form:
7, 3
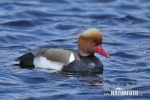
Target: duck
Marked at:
81, 60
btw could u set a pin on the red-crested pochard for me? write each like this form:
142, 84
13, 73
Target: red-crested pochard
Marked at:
81, 60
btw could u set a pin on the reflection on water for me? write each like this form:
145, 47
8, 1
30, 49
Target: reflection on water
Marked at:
26, 25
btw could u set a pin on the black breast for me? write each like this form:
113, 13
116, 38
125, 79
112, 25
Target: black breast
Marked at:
87, 64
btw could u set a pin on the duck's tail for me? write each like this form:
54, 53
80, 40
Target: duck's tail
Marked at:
26, 61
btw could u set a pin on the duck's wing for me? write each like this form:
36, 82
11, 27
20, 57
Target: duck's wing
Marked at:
59, 55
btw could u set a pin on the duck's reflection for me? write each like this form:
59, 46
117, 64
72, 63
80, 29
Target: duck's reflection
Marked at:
87, 78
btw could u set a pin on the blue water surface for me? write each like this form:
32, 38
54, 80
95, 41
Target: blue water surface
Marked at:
29, 24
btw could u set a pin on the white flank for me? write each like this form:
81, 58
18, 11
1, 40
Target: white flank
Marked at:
72, 58
42, 62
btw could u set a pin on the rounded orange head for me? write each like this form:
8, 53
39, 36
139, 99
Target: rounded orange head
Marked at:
89, 42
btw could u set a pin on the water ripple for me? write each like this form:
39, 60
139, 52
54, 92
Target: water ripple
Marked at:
20, 23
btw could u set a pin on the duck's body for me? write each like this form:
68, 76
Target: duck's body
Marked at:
82, 60
61, 59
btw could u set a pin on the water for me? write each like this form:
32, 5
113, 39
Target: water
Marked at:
29, 24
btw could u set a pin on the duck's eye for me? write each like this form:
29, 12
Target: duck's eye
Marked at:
92, 42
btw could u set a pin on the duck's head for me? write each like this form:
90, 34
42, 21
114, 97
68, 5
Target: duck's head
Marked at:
90, 42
